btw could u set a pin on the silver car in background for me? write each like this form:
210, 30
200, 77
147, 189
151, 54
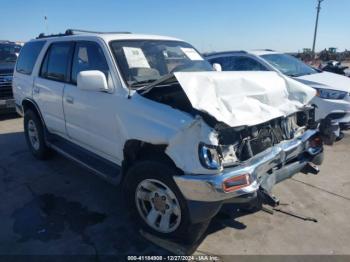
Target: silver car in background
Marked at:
333, 90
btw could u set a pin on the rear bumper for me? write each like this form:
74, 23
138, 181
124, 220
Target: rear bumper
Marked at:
265, 170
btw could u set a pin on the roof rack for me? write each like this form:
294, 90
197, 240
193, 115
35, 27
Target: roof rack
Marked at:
42, 35
76, 32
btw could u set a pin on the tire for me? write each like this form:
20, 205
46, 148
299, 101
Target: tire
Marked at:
34, 134
147, 186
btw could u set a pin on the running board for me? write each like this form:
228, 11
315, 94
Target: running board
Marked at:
94, 163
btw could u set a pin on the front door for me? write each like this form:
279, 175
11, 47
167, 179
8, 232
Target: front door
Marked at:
90, 115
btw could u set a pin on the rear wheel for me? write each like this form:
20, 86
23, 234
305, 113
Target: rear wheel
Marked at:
157, 204
34, 134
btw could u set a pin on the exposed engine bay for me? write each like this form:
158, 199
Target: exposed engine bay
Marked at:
240, 143
247, 142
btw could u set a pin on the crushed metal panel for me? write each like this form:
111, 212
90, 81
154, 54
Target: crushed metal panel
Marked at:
244, 98
183, 147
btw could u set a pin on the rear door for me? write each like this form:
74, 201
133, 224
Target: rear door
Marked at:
49, 85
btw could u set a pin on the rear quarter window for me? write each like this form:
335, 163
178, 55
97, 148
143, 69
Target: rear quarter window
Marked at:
28, 56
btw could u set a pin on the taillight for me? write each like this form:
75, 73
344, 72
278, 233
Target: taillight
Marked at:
235, 183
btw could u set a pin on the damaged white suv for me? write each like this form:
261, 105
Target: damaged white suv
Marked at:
147, 112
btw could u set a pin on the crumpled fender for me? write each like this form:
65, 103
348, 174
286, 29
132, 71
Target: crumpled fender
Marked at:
183, 147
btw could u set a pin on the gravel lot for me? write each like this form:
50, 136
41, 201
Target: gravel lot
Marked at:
57, 207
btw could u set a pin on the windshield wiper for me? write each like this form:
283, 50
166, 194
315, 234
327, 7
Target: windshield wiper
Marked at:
142, 83
146, 88
301, 74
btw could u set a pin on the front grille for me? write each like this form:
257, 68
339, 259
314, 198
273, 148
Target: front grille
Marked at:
6, 86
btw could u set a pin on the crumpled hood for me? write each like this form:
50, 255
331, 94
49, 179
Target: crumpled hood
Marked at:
326, 80
244, 98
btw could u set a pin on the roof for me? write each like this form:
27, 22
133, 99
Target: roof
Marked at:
223, 53
260, 52
257, 52
107, 36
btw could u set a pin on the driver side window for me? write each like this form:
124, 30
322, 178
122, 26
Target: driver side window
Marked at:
88, 56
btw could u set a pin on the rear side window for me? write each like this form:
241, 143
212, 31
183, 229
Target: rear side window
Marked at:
88, 56
238, 63
55, 64
28, 56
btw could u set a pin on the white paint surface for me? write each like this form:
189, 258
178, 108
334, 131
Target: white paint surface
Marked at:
244, 98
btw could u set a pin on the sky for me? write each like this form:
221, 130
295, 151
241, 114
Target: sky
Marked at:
209, 25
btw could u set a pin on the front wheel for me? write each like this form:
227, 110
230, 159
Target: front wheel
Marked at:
158, 204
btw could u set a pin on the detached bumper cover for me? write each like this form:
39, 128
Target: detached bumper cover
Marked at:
265, 169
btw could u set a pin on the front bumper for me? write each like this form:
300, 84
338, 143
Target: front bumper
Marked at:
7, 105
338, 110
265, 169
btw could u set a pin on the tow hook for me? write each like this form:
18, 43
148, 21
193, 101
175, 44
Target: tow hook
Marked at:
271, 200
267, 198
310, 168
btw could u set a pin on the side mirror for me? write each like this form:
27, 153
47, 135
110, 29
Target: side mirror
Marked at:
217, 67
92, 80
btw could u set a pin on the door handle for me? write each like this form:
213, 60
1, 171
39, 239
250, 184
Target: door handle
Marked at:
70, 100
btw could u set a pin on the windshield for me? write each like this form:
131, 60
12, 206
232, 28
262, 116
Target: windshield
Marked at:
8, 53
289, 65
145, 61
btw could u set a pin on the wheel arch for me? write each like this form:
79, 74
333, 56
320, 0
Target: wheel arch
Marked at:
136, 150
28, 103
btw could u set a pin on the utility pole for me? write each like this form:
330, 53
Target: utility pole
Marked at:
46, 25
316, 25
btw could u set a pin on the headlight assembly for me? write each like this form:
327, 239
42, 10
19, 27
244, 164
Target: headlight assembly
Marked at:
331, 94
209, 156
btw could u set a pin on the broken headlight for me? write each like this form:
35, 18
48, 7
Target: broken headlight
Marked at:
209, 156
229, 157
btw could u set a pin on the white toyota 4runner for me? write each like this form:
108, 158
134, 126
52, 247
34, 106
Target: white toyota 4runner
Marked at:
149, 113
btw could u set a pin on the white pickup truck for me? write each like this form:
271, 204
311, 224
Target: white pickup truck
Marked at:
149, 113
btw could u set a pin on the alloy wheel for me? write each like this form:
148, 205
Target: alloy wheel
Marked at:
158, 205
